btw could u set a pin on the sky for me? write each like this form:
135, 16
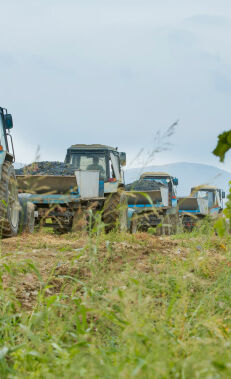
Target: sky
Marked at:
118, 73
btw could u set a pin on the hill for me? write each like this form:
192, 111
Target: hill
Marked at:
189, 175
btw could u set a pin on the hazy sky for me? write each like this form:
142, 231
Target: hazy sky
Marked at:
115, 72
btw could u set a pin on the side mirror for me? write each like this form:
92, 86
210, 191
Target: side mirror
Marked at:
175, 181
8, 121
122, 157
223, 194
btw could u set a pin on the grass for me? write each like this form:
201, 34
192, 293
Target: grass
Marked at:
116, 306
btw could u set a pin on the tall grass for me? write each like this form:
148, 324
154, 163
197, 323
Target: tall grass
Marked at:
123, 306
126, 306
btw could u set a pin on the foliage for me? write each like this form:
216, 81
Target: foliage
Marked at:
223, 145
127, 306
227, 211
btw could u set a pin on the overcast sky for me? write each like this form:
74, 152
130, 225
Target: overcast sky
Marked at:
115, 72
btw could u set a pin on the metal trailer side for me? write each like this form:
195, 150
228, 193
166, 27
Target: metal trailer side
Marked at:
151, 209
191, 209
61, 203
56, 198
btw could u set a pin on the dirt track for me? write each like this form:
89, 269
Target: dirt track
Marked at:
44, 260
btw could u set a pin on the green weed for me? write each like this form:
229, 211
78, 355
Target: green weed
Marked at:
124, 306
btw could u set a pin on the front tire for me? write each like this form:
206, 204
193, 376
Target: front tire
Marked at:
9, 204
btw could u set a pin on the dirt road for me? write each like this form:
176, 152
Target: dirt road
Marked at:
46, 262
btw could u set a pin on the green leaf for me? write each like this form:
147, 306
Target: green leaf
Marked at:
223, 145
220, 226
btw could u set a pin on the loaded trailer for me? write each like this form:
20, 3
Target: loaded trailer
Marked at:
63, 201
204, 200
152, 202
57, 199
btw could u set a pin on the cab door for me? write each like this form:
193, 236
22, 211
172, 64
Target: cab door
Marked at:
3, 141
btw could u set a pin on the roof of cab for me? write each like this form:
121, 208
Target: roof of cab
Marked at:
91, 147
204, 187
155, 174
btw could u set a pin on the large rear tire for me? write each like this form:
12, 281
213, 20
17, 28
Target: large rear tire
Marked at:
115, 213
9, 204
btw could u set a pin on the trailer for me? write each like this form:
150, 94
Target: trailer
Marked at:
192, 209
153, 202
204, 200
64, 201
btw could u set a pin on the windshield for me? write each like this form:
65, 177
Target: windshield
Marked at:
201, 194
90, 161
158, 180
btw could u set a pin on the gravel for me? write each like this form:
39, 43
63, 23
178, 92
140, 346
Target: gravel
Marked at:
46, 168
144, 185
61, 169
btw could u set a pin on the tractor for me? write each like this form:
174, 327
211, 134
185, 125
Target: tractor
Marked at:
204, 200
96, 183
108, 162
15, 215
9, 204
152, 200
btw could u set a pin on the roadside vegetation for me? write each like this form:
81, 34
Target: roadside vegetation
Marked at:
116, 305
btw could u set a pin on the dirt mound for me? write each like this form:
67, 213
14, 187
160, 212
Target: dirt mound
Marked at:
46, 168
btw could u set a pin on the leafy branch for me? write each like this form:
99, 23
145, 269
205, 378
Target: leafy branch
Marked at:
223, 145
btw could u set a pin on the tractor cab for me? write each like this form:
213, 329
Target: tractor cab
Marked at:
105, 159
213, 194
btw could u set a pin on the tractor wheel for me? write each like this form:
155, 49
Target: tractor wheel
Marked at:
62, 229
115, 211
9, 204
168, 227
26, 216
174, 221
165, 227
180, 226
134, 224
160, 227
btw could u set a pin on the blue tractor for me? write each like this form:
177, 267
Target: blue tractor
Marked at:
204, 200
96, 183
9, 203
152, 203
15, 214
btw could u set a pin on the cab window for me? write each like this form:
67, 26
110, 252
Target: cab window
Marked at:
90, 162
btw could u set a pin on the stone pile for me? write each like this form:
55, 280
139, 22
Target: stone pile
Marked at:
46, 168
144, 185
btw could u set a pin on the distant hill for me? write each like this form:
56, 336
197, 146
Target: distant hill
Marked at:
189, 175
